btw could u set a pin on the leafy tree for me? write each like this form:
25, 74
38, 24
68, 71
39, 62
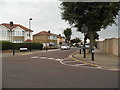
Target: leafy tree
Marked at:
60, 43
76, 40
95, 15
67, 32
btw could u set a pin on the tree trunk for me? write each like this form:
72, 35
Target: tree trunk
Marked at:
91, 41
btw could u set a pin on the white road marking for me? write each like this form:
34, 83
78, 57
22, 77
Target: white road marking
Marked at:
62, 61
50, 58
34, 57
79, 64
58, 59
70, 61
99, 67
42, 57
82, 65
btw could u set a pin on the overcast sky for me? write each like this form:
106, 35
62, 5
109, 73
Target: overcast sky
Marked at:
46, 16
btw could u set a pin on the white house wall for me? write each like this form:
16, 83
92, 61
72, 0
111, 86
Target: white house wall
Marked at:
4, 38
7, 38
19, 29
26, 35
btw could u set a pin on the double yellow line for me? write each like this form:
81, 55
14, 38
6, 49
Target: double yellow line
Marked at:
101, 66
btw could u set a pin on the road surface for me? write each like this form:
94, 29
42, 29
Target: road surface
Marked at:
49, 70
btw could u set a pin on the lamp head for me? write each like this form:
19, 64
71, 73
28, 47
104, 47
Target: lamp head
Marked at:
30, 19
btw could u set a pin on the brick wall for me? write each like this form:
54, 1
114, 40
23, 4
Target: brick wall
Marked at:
40, 39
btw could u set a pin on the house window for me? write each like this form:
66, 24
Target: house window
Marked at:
18, 33
54, 37
4, 33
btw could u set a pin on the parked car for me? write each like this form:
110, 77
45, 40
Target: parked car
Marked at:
65, 47
87, 46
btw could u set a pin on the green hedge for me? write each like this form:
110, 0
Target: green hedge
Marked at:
8, 45
36, 46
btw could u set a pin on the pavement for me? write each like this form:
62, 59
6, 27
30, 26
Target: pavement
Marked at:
101, 59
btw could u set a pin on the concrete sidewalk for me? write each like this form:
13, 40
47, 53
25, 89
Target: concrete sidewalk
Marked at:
18, 53
101, 59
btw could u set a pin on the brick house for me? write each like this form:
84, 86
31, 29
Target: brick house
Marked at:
60, 39
48, 38
16, 33
45, 38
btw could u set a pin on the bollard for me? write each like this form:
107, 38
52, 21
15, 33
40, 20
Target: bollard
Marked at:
13, 49
93, 54
13, 52
80, 50
84, 49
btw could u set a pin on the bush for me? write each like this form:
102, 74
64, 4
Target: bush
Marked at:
8, 45
36, 46
28, 45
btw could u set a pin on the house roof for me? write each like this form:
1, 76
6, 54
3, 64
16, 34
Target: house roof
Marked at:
15, 25
58, 36
47, 33
42, 33
28, 40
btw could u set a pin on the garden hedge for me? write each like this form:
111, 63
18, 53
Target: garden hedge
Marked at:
8, 45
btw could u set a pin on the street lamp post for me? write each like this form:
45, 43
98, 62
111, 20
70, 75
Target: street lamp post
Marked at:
119, 24
29, 34
13, 49
84, 29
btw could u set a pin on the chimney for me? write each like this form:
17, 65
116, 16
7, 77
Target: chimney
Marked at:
59, 34
48, 31
11, 23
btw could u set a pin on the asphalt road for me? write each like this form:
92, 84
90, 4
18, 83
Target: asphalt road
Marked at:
44, 70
